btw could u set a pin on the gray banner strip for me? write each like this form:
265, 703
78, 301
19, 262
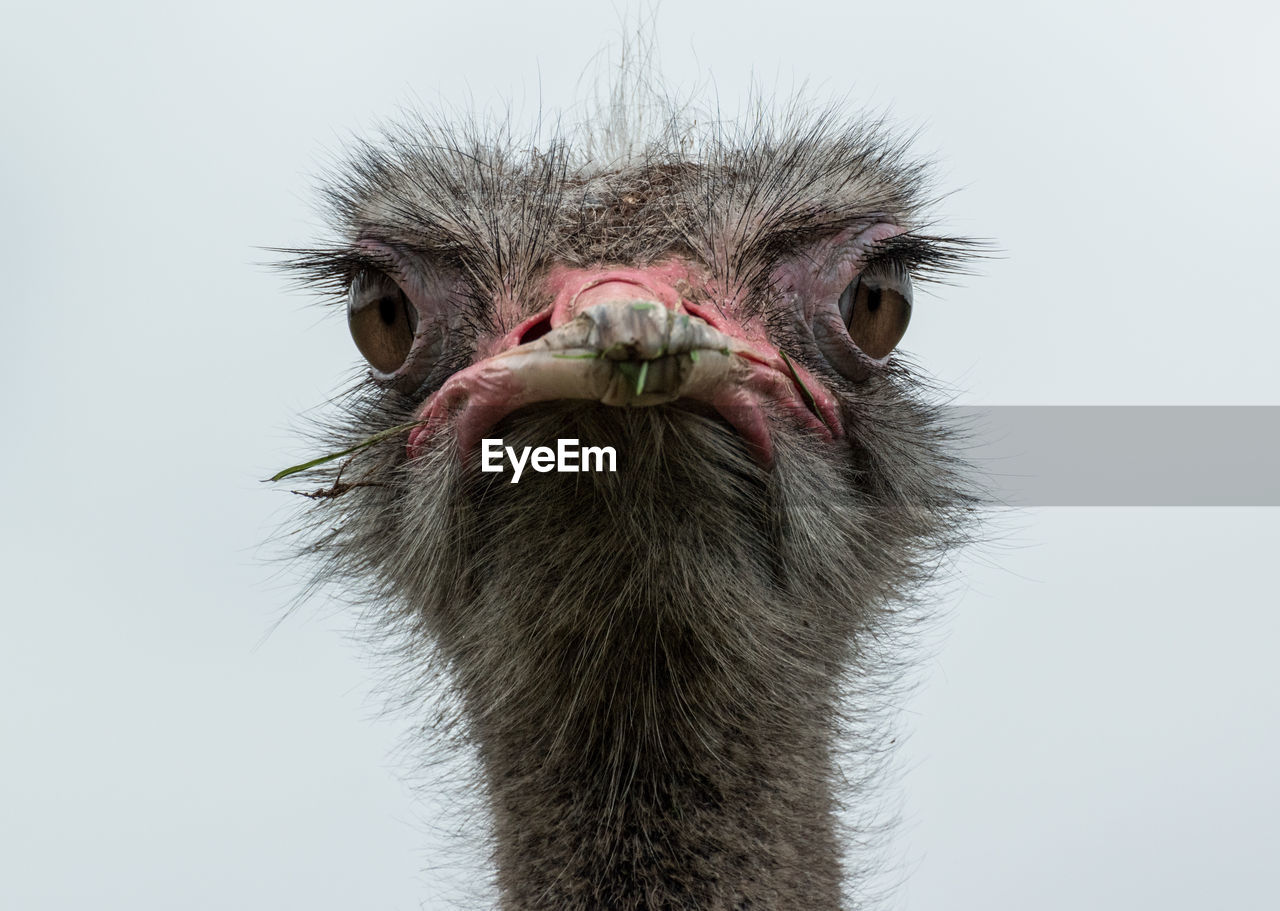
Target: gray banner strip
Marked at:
1123, 455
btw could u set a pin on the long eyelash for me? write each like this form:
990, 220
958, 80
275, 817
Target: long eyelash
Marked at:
926, 258
329, 270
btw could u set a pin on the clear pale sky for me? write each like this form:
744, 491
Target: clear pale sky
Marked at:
1098, 728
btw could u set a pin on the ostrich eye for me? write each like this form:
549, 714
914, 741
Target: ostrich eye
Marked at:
876, 308
382, 321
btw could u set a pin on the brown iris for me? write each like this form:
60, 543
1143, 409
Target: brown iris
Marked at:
876, 308
382, 322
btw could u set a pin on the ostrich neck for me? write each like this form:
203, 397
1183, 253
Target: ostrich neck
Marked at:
649, 663
644, 760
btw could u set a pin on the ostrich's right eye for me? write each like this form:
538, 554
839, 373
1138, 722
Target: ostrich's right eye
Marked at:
382, 320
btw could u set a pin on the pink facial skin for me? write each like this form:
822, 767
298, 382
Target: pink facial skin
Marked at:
822, 274
741, 374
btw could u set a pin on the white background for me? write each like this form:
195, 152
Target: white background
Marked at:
1099, 727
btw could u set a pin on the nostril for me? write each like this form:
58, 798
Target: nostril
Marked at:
535, 330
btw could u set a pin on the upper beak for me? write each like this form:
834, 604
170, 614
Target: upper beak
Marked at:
629, 352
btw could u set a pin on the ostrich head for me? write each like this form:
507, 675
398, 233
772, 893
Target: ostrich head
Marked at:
656, 666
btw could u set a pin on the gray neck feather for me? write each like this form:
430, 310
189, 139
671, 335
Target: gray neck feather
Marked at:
651, 664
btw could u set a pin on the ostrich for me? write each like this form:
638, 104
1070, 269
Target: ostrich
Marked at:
662, 668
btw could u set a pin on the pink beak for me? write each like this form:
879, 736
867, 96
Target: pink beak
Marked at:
625, 343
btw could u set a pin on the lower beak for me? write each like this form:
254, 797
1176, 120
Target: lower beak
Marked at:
625, 353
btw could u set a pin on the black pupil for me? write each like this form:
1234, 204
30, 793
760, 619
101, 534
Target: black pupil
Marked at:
873, 299
388, 310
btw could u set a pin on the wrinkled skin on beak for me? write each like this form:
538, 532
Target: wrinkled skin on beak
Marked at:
629, 338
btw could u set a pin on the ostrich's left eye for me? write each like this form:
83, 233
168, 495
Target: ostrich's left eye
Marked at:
876, 308
383, 321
